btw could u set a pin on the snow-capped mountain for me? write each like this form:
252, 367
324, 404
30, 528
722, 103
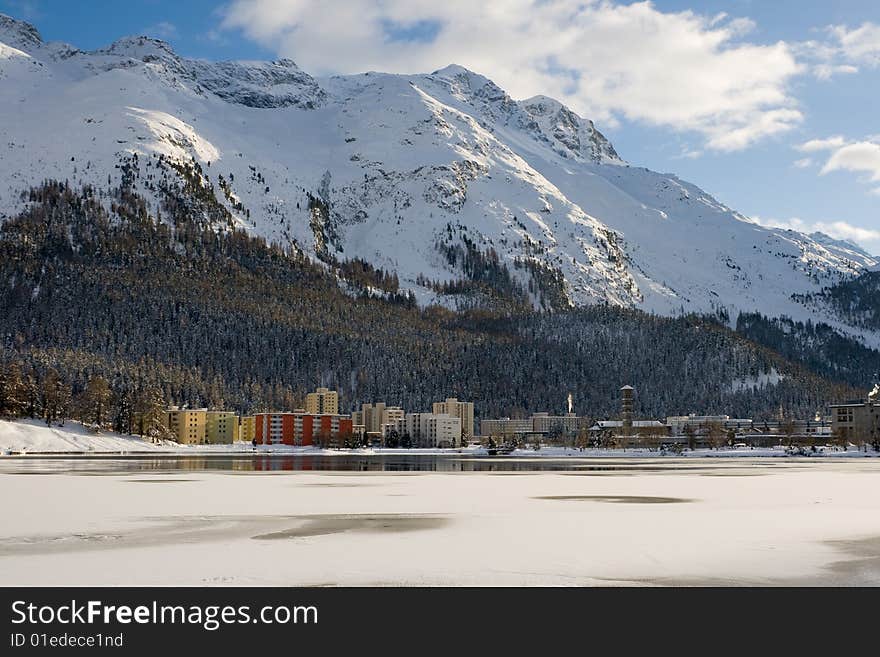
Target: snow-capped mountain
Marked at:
389, 168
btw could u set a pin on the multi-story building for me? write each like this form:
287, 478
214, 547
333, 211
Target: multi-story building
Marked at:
680, 424
462, 410
374, 416
856, 421
542, 424
390, 417
569, 424
430, 429
187, 425
506, 427
300, 428
638, 427
221, 428
322, 402
246, 429
816, 428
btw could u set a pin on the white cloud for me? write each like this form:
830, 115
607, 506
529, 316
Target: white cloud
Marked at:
805, 163
606, 60
861, 44
847, 155
840, 230
860, 156
827, 71
821, 144
843, 51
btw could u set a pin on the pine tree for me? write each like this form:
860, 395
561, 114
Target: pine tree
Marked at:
150, 411
55, 398
94, 402
13, 400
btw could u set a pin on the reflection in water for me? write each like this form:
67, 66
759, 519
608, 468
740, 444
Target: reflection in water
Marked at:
246, 463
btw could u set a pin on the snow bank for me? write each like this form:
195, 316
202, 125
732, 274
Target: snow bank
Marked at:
33, 436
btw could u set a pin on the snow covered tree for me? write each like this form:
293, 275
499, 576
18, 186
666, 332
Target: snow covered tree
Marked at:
94, 402
150, 415
13, 399
55, 398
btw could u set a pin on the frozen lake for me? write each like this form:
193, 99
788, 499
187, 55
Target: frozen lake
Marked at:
438, 520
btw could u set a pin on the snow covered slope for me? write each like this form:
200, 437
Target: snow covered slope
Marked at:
389, 168
33, 436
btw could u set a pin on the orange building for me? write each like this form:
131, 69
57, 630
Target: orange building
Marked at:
299, 428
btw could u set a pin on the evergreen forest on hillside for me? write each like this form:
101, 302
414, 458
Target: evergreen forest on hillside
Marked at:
162, 307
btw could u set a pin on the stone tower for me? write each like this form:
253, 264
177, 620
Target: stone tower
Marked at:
626, 409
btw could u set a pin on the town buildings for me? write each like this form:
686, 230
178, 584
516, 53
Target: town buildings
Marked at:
451, 423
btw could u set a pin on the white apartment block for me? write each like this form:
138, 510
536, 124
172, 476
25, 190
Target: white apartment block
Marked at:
462, 410
430, 429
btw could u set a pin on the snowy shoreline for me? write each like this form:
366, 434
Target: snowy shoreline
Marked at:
32, 439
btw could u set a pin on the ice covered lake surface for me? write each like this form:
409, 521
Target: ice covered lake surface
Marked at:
438, 520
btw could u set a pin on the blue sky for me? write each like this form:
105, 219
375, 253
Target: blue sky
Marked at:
790, 75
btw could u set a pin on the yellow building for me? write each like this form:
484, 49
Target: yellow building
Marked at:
187, 425
322, 402
221, 428
247, 429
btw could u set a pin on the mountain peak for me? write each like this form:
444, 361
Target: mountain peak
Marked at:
457, 75
827, 240
452, 70
140, 47
19, 34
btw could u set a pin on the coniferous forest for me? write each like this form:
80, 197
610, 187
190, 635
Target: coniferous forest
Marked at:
111, 310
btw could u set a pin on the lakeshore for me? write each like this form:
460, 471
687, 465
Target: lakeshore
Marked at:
32, 438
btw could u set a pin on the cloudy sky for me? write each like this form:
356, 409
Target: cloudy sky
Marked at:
770, 106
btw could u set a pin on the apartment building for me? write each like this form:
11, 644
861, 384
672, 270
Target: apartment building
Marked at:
569, 424
462, 410
543, 424
430, 429
322, 402
221, 427
300, 428
856, 421
188, 426
246, 431
506, 427
374, 416
680, 424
